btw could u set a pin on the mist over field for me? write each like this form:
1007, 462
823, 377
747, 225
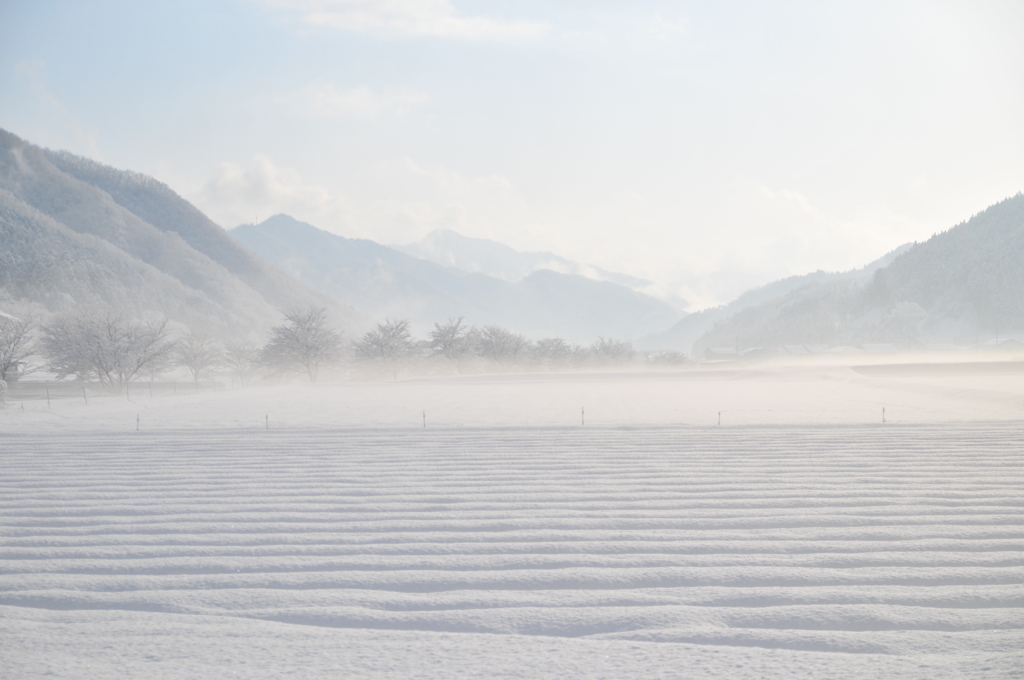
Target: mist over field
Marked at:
441, 340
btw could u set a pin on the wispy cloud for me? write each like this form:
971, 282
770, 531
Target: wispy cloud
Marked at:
238, 193
323, 99
664, 27
408, 18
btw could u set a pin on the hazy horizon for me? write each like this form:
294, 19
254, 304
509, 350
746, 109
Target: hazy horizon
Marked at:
707, 148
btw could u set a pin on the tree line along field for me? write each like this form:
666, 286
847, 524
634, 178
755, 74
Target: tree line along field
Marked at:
115, 350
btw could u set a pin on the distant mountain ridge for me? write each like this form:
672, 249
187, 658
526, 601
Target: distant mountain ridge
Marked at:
962, 285
386, 282
483, 256
78, 233
691, 327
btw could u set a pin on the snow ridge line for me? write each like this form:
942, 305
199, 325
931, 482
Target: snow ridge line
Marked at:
855, 539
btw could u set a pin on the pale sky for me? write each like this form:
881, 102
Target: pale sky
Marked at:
708, 146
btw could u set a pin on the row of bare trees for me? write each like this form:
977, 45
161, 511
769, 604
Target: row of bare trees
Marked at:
457, 347
116, 350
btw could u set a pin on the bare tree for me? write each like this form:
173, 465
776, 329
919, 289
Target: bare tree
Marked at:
15, 345
198, 353
552, 352
241, 359
305, 344
609, 352
108, 347
453, 341
389, 343
502, 346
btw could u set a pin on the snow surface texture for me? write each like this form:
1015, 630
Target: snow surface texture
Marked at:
206, 545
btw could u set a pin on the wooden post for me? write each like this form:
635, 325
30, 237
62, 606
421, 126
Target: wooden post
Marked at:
47, 397
424, 419
883, 414
583, 416
719, 418
85, 397
267, 417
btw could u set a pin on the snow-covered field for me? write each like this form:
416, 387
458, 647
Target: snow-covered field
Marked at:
801, 538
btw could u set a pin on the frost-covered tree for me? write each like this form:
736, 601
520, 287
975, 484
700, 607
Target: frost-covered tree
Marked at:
109, 347
453, 341
552, 352
609, 352
305, 344
502, 346
241, 359
389, 344
198, 353
667, 358
16, 345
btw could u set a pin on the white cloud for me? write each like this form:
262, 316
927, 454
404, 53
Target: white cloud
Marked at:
434, 18
322, 99
398, 201
239, 194
663, 27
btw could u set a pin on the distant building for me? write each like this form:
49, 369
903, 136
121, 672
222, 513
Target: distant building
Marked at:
941, 347
720, 354
1003, 345
878, 348
846, 349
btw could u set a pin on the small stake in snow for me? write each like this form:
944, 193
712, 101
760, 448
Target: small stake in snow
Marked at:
719, 417
883, 414
136, 422
583, 416
85, 397
424, 419
267, 417
47, 397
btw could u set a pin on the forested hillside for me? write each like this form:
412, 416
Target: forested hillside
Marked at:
691, 327
960, 285
77, 233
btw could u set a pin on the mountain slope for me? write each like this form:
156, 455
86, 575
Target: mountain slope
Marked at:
475, 255
961, 284
194, 287
388, 283
156, 204
45, 262
682, 335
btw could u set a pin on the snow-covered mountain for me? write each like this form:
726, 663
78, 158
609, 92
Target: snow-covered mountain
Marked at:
386, 282
483, 256
683, 334
961, 285
77, 233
